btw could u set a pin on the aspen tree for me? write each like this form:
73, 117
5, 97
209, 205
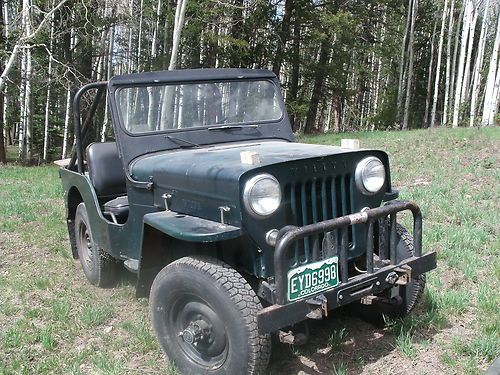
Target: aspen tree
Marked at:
448, 64
478, 66
467, 19
492, 80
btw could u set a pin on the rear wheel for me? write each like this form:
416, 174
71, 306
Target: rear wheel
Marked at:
204, 314
98, 266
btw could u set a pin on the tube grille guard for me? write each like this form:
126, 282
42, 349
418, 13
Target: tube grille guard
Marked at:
384, 217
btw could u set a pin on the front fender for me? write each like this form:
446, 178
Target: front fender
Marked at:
191, 228
168, 236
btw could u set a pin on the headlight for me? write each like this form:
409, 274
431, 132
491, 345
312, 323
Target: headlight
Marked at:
370, 175
262, 195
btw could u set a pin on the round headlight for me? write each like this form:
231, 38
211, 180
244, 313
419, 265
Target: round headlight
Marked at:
262, 195
370, 175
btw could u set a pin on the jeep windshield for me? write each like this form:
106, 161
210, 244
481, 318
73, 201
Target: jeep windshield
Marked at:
227, 104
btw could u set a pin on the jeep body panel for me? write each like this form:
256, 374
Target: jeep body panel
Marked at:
122, 241
190, 228
200, 180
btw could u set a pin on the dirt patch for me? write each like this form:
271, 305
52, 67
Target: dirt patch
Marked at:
368, 349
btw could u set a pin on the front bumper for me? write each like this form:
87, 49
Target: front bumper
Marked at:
381, 270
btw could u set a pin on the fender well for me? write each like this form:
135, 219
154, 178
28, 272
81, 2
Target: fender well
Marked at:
73, 199
160, 249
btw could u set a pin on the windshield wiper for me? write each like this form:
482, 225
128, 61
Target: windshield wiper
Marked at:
227, 127
182, 142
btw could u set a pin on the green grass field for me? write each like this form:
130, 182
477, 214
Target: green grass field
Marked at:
53, 322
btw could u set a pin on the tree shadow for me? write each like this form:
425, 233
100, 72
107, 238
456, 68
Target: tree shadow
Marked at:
365, 342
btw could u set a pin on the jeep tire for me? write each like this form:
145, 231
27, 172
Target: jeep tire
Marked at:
414, 290
409, 295
204, 314
98, 266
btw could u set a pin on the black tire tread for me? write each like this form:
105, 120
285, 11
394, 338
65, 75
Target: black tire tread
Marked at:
420, 280
244, 298
107, 266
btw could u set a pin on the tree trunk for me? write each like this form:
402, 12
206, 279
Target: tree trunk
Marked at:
438, 66
139, 38
22, 110
155, 31
167, 41
461, 62
236, 32
67, 113
478, 66
67, 117
282, 38
109, 72
178, 25
5, 35
410, 66
455, 58
28, 104
403, 62
496, 98
466, 78
25, 142
379, 68
47, 101
3, 156
294, 80
448, 64
168, 92
491, 102
429, 77
320, 75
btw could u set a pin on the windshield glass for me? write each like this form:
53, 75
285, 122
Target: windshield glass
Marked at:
160, 108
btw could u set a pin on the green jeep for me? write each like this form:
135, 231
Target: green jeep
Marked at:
234, 230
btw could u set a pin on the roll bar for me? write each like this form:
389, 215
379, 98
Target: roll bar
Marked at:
81, 131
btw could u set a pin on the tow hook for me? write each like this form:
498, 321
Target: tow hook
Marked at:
400, 276
404, 273
391, 278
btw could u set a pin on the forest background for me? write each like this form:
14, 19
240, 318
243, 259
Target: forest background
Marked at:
343, 64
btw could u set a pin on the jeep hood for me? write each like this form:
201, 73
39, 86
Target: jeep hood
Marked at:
202, 180
208, 165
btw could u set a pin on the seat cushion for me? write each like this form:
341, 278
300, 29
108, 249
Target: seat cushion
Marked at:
117, 206
106, 169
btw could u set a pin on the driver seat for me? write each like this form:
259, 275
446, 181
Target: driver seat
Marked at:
108, 178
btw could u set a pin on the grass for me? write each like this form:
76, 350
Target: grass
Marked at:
337, 338
53, 322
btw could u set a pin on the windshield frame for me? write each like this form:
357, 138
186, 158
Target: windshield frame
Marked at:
121, 121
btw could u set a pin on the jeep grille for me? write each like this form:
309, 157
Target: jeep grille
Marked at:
318, 199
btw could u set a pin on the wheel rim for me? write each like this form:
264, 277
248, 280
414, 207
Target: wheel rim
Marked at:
199, 332
86, 247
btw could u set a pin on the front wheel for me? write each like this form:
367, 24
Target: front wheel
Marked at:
204, 314
408, 295
411, 293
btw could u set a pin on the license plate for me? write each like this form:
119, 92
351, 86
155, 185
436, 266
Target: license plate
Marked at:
312, 278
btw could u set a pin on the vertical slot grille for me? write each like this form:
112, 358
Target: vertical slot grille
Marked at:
316, 200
